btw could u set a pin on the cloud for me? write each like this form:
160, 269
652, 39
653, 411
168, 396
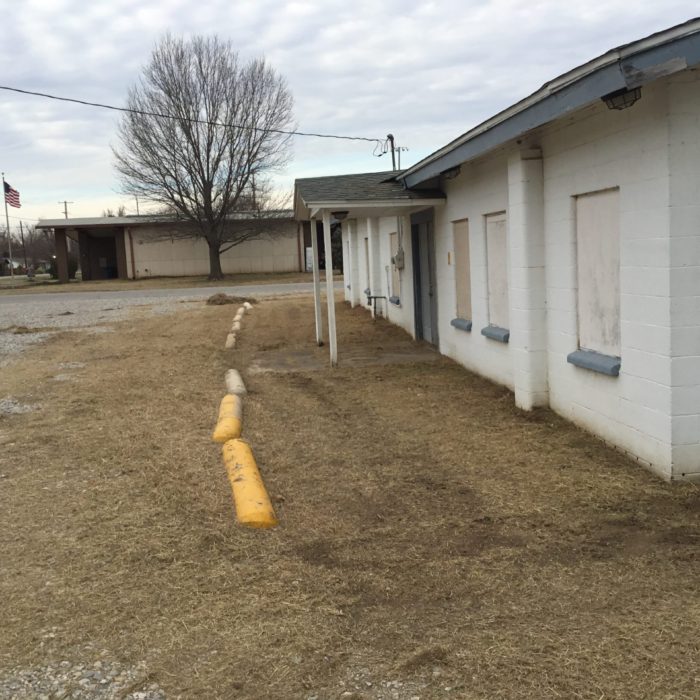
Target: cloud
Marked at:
425, 71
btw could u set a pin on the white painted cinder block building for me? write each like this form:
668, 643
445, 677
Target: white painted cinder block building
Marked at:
137, 247
555, 248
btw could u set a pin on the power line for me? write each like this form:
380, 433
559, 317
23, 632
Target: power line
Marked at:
160, 115
23, 218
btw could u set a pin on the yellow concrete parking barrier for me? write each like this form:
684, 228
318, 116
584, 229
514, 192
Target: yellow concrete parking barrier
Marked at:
230, 420
253, 507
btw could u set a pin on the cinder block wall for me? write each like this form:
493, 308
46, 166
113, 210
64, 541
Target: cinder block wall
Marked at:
651, 153
684, 126
402, 314
156, 255
598, 149
481, 188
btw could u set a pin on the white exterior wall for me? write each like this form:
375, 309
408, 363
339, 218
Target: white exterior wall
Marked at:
651, 154
684, 125
478, 190
402, 314
363, 271
190, 256
602, 149
375, 264
345, 237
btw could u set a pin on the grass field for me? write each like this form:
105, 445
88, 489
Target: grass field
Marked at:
435, 542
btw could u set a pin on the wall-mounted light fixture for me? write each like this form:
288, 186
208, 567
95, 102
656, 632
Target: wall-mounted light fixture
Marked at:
340, 215
622, 99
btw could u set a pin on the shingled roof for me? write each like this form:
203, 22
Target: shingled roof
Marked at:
365, 187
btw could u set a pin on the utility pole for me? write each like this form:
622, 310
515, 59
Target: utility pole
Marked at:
393, 151
137, 205
24, 247
65, 213
65, 207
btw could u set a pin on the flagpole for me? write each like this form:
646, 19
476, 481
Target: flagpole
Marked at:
9, 235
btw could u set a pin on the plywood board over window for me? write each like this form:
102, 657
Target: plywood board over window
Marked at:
497, 269
460, 232
598, 270
395, 276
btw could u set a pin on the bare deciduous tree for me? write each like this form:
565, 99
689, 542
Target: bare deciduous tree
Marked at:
211, 159
38, 245
109, 212
33, 247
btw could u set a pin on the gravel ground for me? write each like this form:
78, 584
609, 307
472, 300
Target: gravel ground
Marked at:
98, 679
10, 405
25, 324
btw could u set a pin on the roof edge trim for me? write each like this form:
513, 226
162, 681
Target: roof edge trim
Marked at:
632, 65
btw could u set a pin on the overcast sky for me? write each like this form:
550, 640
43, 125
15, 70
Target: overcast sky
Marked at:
425, 71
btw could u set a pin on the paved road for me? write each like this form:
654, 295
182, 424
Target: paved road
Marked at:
253, 290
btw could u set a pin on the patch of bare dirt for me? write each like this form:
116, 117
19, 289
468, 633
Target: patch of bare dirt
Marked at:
434, 542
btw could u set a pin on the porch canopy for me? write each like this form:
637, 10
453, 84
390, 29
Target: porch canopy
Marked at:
357, 196
102, 243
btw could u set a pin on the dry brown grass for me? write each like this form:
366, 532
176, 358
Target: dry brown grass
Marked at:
431, 534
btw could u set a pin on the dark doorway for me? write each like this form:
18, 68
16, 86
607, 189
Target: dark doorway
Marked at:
99, 255
336, 245
424, 277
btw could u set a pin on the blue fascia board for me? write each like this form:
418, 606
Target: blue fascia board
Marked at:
596, 362
462, 324
502, 335
632, 71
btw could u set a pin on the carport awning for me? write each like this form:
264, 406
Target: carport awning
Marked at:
360, 195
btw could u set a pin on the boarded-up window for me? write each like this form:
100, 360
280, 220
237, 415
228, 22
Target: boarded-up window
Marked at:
460, 231
497, 260
598, 268
395, 279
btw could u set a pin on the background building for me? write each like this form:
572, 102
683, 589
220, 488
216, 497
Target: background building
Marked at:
133, 247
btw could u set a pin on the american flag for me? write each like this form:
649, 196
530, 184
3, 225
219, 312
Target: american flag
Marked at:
11, 196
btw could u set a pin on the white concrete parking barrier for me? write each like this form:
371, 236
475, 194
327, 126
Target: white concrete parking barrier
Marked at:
247, 305
238, 318
230, 341
241, 311
236, 326
234, 383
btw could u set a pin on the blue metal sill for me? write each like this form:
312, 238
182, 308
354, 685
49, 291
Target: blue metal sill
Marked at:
462, 324
502, 335
596, 362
